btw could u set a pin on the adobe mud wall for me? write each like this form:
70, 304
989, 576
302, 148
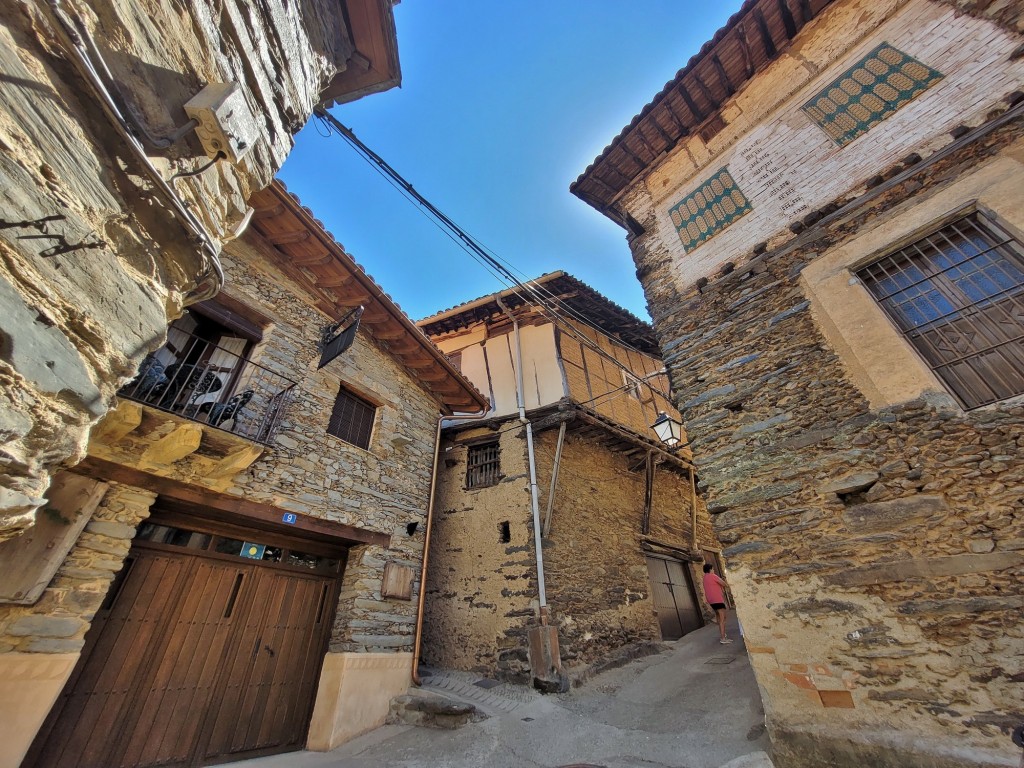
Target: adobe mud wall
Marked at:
482, 589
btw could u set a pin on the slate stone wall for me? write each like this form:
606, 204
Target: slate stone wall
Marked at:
92, 264
382, 489
877, 554
58, 621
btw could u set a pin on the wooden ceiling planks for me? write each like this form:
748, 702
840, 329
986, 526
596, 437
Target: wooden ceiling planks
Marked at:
296, 242
749, 42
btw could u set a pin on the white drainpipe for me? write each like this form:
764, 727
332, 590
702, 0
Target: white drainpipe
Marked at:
534, 497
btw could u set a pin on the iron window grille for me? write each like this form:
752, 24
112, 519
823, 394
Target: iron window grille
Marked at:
352, 419
483, 465
957, 295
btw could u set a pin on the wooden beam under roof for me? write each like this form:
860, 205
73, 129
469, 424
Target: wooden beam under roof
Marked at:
740, 37
696, 112
267, 211
723, 76
287, 238
787, 19
696, 77
766, 35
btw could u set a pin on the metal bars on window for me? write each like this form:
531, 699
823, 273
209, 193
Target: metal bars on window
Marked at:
957, 295
352, 419
483, 465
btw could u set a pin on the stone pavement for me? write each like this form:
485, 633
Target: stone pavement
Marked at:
693, 706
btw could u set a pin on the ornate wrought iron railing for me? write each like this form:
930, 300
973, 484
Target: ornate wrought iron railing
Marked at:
214, 385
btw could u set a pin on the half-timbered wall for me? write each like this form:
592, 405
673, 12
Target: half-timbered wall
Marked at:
594, 380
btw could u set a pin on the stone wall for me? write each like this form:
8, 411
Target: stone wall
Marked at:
482, 591
596, 570
875, 552
57, 622
307, 470
92, 262
383, 489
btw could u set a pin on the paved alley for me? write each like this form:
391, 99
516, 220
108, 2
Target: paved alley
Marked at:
693, 706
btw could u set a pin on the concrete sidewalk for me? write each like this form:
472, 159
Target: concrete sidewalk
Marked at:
694, 706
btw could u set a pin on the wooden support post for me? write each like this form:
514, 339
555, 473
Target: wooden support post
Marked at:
645, 525
693, 511
554, 479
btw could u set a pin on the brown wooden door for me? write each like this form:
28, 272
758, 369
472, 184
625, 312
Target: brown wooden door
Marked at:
194, 659
674, 599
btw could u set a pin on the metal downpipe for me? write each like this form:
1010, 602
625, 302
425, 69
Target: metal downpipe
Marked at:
534, 494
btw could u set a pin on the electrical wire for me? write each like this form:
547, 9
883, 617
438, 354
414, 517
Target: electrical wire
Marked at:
201, 169
530, 292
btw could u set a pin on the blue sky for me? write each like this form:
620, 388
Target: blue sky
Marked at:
502, 105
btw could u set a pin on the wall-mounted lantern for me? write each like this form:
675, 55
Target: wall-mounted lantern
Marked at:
668, 430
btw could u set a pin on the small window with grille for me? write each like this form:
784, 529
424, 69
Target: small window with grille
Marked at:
352, 419
483, 465
957, 295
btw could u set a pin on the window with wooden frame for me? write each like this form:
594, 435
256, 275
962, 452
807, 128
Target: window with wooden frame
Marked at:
352, 419
632, 385
957, 295
483, 465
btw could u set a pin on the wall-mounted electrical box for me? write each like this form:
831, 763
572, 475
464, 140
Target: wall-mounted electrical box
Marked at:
225, 122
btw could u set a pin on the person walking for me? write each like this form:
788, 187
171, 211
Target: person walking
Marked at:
713, 585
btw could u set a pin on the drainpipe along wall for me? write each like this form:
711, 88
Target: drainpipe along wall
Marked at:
545, 659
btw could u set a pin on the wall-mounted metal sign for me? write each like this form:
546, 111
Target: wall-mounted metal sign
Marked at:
333, 342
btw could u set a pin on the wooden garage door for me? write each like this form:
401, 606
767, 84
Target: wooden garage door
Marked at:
674, 599
208, 648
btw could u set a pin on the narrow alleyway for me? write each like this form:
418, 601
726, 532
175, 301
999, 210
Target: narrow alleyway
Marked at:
694, 706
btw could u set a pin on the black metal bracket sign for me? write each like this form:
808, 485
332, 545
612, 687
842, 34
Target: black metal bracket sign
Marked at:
333, 343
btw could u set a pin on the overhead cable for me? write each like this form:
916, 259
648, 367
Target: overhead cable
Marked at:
529, 292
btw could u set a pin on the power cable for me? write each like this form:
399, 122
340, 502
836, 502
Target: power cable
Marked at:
540, 295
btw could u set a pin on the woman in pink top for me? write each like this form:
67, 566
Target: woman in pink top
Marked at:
713, 584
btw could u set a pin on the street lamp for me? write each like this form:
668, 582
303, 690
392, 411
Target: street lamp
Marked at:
668, 430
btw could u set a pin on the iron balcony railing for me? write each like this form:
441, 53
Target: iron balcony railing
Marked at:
215, 385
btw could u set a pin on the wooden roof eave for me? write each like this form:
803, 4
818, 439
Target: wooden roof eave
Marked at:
357, 288
752, 38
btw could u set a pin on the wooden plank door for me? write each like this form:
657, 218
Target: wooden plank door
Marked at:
192, 658
122, 703
269, 684
673, 598
689, 613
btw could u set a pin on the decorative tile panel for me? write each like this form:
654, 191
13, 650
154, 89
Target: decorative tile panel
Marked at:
874, 88
709, 209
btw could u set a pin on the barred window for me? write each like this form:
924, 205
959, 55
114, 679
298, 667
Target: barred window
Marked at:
957, 295
352, 419
483, 466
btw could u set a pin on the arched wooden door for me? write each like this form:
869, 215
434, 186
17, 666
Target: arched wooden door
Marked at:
207, 649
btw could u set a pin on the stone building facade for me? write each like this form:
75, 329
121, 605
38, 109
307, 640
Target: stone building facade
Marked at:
830, 245
617, 515
114, 206
295, 521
